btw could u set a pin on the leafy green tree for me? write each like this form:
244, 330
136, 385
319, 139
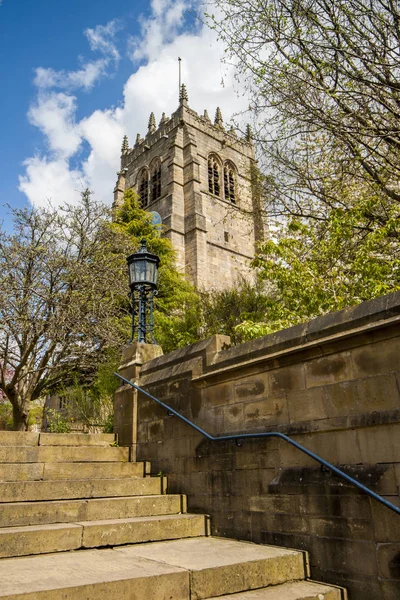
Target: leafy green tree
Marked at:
315, 268
323, 77
177, 313
224, 311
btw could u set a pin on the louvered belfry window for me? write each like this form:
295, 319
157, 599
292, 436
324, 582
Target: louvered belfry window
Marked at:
143, 188
229, 183
156, 181
213, 176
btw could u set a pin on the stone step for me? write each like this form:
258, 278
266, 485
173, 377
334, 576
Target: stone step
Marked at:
30, 491
295, 590
91, 575
18, 438
43, 539
222, 566
17, 514
47, 454
193, 569
86, 470
27, 438
76, 439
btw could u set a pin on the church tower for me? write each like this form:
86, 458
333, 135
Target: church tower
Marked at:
196, 179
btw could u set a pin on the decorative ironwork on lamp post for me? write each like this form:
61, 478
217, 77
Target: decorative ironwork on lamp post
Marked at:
143, 273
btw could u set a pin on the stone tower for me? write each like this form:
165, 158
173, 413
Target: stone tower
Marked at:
195, 176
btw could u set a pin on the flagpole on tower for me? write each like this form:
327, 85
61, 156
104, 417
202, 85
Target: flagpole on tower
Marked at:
180, 77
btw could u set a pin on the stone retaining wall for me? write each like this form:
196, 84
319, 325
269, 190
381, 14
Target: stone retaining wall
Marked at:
332, 384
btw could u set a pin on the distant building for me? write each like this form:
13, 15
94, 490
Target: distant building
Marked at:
196, 178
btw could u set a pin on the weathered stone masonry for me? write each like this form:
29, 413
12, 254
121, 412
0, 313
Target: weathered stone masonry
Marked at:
213, 224
332, 384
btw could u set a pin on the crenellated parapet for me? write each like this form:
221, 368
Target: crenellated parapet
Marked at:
185, 114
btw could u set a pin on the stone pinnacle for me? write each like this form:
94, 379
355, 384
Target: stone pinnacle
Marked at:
218, 121
152, 123
183, 96
125, 145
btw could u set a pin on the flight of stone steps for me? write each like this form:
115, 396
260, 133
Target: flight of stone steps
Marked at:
80, 522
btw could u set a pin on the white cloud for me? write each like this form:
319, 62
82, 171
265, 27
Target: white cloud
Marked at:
152, 87
101, 38
82, 78
51, 180
54, 114
160, 29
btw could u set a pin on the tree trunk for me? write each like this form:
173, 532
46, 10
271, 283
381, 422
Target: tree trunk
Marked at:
20, 419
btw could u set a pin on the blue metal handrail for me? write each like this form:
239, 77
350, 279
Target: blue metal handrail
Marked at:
237, 437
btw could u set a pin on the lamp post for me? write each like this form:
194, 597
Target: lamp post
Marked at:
143, 272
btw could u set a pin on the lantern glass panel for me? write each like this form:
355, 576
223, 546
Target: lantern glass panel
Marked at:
152, 272
140, 271
143, 270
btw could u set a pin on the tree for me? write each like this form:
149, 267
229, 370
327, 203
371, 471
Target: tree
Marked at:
324, 78
324, 82
177, 313
62, 281
225, 311
315, 268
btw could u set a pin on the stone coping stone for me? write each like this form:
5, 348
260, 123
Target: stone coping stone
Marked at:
217, 354
211, 345
365, 315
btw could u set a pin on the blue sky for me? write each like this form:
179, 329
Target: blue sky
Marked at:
77, 75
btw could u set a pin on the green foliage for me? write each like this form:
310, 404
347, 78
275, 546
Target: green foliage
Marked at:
326, 127
226, 310
92, 405
314, 268
108, 426
177, 307
6, 415
36, 414
57, 423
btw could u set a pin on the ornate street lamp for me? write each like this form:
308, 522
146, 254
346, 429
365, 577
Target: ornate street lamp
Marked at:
143, 272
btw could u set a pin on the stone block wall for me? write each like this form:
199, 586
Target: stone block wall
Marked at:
333, 385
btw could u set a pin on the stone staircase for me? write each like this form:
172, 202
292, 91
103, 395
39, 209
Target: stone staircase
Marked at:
78, 521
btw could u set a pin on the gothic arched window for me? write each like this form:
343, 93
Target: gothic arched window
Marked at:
213, 176
155, 193
229, 183
143, 187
